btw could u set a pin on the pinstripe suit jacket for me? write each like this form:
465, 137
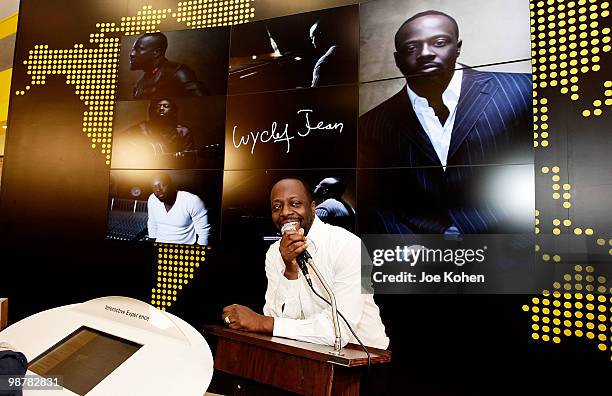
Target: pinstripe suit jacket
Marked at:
493, 126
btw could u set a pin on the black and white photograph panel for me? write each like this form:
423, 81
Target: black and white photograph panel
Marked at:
480, 32
166, 133
169, 206
174, 64
247, 205
297, 51
314, 128
496, 199
470, 116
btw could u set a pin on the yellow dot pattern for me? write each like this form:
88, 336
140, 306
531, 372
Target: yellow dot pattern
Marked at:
92, 68
176, 266
540, 122
91, 71
560, 192
211, 13
567, 41
145, 20
598, 104
580, 305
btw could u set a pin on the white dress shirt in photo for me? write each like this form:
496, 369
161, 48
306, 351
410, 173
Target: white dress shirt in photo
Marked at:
439, 135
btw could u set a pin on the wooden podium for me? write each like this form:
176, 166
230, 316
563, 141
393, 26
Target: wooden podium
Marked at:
3, 312
294, 366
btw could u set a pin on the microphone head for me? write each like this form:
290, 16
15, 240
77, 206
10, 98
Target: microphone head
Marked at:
289, 227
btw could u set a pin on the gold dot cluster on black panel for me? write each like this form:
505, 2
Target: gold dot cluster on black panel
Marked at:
579, 306
568, 42
211, 13
560, 192
92, 72
145, 21
176, 265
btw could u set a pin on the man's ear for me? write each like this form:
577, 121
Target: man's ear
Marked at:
399, 62
158, 52
313, 207
459, 43
396, 56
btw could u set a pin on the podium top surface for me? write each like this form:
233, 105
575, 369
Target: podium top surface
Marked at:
353, 355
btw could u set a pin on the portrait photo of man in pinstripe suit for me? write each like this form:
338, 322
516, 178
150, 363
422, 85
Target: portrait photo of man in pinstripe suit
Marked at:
447, 128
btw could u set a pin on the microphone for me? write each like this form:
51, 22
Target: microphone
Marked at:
303, 257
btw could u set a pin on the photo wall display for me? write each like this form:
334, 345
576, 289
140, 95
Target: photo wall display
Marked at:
272, 94
392, 102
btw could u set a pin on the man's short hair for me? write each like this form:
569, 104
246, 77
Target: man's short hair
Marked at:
307, 186
159, 38
426, 13
329, 28
336, 188
162, 177
153, 107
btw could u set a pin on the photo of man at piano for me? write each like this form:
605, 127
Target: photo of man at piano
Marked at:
313, 49
292, 310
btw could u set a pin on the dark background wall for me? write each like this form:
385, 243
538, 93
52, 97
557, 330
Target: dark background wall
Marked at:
53, 212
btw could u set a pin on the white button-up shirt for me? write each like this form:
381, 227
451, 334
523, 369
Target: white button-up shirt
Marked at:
439, 135
299, 314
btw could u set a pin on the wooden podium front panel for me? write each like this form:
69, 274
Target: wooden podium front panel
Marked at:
3, 312
294, 366
275, 368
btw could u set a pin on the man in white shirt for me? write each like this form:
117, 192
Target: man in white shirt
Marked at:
176, 216
292, 310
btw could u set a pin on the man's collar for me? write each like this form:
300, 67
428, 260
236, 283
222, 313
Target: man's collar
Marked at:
453, 91
450, 95
156, 69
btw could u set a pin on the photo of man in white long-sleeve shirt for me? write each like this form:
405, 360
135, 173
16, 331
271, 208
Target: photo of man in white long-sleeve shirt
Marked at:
176, 216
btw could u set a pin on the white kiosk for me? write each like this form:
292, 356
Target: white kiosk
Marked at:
114, 346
